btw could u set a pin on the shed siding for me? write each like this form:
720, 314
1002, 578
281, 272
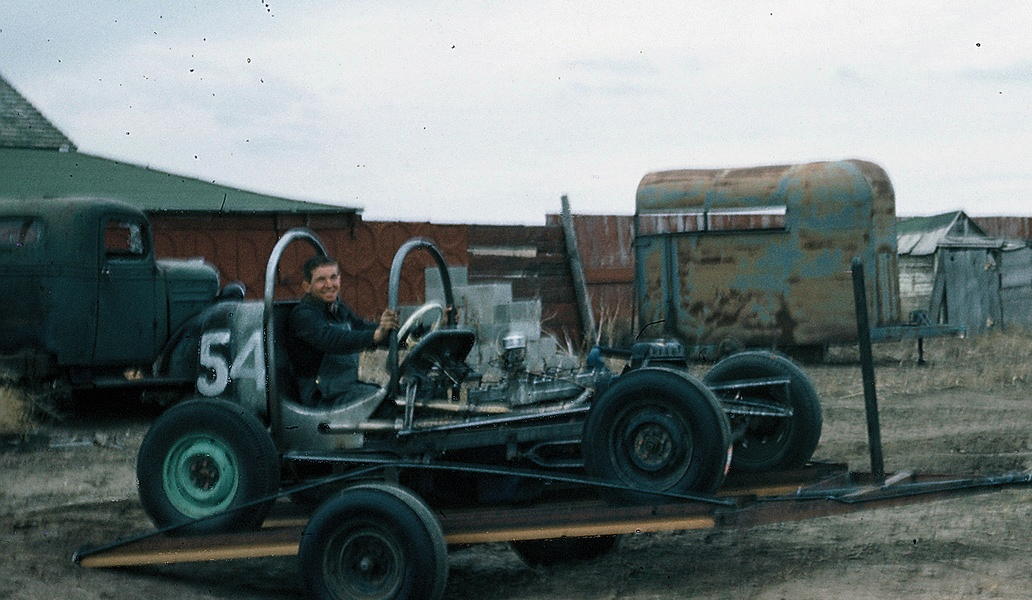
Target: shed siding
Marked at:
916, 276
1016, 287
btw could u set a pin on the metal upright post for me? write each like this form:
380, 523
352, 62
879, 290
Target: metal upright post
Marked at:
580, 284
863, 333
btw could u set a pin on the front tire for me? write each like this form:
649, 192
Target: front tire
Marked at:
657, 429
204, 457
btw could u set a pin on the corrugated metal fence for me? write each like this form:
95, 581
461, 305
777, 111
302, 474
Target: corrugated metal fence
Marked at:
531, 258
1006, 227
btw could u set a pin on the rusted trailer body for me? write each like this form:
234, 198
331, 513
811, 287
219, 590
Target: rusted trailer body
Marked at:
761, 256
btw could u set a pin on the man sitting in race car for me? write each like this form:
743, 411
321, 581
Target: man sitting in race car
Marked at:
325, 337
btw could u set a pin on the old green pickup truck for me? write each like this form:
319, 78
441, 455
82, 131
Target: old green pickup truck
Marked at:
85, 302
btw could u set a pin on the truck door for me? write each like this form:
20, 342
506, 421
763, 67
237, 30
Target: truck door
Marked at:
126, 318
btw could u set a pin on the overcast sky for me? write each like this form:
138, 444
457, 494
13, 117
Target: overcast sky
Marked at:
487, 112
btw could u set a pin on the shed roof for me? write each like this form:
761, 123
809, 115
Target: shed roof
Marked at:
920, 236
22, 126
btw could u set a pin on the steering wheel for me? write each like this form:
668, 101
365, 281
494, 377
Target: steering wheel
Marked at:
408, 328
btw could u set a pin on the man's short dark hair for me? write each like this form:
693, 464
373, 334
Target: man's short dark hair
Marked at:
314, 263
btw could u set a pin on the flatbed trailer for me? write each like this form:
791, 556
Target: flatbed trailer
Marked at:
577, 508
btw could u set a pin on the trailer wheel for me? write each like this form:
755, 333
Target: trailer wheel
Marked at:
203, 457
657, 429
561, 551
374, 541
772, 443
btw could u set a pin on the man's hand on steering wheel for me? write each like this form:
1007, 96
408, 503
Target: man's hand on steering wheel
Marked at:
388, 323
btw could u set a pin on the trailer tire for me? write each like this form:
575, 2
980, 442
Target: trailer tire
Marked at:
562, 551
374, 540
203, 457
657, 429
773, 443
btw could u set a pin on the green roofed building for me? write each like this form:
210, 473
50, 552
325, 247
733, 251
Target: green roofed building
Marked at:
232, 228
37, 160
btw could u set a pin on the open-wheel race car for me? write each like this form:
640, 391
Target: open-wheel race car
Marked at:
218, 458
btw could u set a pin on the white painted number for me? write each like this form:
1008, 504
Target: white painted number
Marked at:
248, 364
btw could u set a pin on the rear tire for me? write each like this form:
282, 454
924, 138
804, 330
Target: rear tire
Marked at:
204, 457
773, 443
657, 429
374, 541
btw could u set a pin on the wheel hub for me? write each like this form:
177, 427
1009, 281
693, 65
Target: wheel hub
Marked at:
200, 475
652, 446
366, 564
204, 471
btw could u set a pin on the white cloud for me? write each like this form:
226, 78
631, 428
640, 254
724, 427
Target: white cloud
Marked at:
488, 112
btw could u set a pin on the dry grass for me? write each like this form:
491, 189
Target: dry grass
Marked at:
15, 411
995, 361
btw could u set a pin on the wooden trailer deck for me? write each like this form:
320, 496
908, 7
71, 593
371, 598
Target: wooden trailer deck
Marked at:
817, 491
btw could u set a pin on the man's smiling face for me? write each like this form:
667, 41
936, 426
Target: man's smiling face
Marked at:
325, 283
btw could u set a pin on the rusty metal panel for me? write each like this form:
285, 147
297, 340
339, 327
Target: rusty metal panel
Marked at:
780, 276
1006, 227
239, 247
606, 245
365, 254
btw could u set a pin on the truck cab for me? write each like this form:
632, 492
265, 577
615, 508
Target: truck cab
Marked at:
84, 294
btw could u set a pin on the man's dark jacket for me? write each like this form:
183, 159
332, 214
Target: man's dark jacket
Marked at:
323, 342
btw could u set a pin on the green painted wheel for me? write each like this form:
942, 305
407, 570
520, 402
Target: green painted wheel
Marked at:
200, 475
202, 458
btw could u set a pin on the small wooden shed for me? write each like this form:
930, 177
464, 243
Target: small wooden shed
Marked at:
949, 267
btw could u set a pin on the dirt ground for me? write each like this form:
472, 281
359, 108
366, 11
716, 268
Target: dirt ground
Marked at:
73, 484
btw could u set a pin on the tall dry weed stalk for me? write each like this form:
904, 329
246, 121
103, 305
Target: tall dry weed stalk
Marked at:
615, 325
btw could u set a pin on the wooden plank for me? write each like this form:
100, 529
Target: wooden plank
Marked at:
580, 530
169, 550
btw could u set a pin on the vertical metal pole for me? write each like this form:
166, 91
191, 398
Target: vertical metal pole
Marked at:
863, 334
580, 284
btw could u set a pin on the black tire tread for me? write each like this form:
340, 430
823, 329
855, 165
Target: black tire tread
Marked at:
414, 522
712, 428
805, 402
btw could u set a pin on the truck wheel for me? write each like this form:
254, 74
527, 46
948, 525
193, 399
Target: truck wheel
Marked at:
374, 541
204, 457
561, 551
657, 429
772, 443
